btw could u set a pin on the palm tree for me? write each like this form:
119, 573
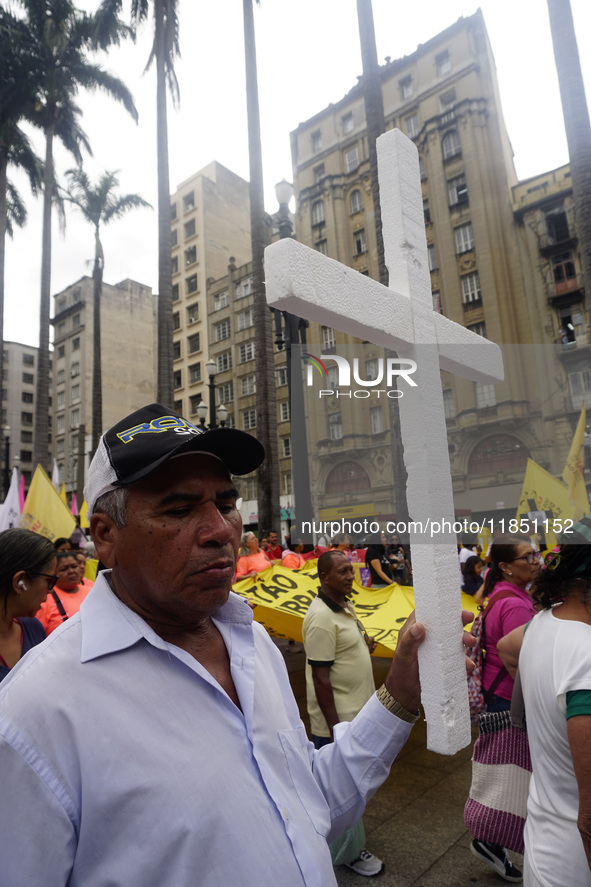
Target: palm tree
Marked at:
371, 85
99, 204
577, 126
60, 41
165, 51
266, 403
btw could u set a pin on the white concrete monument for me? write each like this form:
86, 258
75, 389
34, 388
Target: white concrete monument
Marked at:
310, 285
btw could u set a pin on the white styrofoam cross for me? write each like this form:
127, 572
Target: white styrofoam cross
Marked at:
310, 285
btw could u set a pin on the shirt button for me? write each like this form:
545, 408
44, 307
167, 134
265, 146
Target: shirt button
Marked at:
285, 813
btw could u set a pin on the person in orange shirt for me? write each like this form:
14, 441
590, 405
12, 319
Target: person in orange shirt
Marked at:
251, 560
292, 558
81, 558
65, 599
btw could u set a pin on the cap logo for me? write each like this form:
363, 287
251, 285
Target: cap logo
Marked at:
157, 426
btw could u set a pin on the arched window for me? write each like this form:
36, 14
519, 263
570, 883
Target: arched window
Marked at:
318, 212
497, 453
355, 201
347, 478
451, 145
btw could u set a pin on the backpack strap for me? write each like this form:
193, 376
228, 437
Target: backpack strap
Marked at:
59, 606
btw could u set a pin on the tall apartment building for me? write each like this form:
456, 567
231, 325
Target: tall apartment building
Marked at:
210, 223
128, 359
445, 97
19, 379
233, 343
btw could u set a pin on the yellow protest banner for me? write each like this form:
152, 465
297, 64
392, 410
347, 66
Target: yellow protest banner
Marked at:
83, 519
44, 511
282, 598
544, 499
573, 470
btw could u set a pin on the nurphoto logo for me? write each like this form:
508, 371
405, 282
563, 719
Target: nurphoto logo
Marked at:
389, 371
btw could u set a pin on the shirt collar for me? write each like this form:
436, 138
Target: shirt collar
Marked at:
108, 625
336, 608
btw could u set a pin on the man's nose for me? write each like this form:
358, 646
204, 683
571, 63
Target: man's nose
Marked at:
214, 527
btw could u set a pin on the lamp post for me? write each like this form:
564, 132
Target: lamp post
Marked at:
222, 412
295, 335
6, 432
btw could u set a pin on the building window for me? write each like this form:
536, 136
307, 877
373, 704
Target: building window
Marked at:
318, 212
335, 426
61, 399
356, 202
449, 408
222, 330
175, 291
75, 418
174, 264
447, 100
316, 141
563, 267
26, 437
359, 245
176, 321
190, 255
29, 360
471, 288
176, 350
557, 225
195, 373
246, 352
281, 376
464, 238
220, 300
406, 88
76, 343
377, 420
347, 121
75, 369
371, 369
61, 377
191, 284
189, 228
319, 172
75, 393
422, 172
411, 126
352, 159
478, 328
284, 411
172, 211
286, 444
193, 313
61, 328
249, 419
287, 484
328, 337
332, 380
248, 385
28, 378
189, 201
26, 456
194, 401
244, 288
193, 343
431, 257
76, 320
443, 63
485, 395
246, 319
224, 361
178, 379
61, 350
174, 238
451, 145
225, 393
436, 296
579, 384
248, 488
426, 212
178, 406
322, 247
457, 191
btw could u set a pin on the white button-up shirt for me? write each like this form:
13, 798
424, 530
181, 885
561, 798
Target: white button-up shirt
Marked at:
123, 762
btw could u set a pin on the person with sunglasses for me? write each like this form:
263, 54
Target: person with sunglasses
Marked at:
513, 566
27, 574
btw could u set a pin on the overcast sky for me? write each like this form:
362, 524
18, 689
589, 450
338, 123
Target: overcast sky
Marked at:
308, 56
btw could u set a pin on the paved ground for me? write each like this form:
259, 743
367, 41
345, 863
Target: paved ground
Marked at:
415, 822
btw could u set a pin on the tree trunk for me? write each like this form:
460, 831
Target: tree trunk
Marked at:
577, 126
97, 381
269, 513
165, 357
40, 448
3, 218
374, 115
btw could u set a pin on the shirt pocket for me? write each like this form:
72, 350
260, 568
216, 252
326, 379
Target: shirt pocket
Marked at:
296, 747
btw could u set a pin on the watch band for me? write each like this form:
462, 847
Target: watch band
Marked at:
388, 701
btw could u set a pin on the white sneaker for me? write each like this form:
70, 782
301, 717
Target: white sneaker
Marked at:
366, 864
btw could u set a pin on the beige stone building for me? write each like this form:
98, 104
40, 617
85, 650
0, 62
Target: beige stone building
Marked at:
210, 224
19, 386
128, 349
485, 259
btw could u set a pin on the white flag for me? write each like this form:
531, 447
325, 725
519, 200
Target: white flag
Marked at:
55, 476
10, 513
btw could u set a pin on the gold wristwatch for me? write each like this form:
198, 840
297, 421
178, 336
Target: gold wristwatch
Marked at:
388, 701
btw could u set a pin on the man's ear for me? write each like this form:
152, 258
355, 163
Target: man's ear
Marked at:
104, 534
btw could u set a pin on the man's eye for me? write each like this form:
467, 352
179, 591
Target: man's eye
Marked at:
227, 508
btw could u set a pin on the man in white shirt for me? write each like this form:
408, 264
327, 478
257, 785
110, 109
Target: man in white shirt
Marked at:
153, 740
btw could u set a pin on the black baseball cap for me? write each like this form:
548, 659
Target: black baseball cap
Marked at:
144, 440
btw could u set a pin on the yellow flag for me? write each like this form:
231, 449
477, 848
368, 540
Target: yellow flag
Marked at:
573, 470
545, 502
62, 495
83, 519
44, 511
